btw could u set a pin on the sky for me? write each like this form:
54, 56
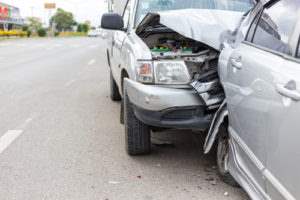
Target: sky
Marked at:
82, 9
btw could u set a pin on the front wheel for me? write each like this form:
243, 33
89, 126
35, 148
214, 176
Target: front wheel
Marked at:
138, 134
223, 157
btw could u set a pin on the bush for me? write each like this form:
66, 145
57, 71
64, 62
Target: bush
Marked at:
71, 34
25, 28
42, 32
12, 33
83, 28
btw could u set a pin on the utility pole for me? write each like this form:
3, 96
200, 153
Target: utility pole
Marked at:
50, 7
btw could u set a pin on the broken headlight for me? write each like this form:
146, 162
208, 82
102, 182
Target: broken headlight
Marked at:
144, 72
163, 72
171, 72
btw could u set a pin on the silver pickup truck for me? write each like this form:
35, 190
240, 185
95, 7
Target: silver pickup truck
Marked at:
156, 49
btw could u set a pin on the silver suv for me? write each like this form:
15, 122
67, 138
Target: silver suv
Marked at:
260, 74
156, 48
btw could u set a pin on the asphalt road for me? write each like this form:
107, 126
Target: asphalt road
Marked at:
60, 137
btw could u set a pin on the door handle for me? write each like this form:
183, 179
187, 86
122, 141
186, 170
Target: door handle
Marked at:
236, 63
289, 90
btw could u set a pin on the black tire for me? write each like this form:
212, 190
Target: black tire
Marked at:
114, 90
138, 134
222, 157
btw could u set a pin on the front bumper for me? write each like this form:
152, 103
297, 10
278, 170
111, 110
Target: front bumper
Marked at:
167, 107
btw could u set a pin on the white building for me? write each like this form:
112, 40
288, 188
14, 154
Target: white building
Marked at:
10, 17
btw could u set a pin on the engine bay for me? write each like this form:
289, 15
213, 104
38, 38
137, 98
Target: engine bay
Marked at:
200, 59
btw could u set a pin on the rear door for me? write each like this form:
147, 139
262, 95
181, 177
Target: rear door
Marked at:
276, 38
262, 89
283, 155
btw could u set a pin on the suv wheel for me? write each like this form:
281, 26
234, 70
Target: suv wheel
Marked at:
222, 157
114, 90
138, 135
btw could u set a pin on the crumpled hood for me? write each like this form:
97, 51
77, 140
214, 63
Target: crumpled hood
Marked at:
203, 25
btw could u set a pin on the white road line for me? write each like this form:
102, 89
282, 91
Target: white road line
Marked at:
91, 62
11, 135
69, 83
8, 138
24, 125
113, 182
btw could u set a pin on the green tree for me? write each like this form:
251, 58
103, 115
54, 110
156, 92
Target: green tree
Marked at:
87, 25
62, 20
79, 28
83, 27
34, 24
42, 32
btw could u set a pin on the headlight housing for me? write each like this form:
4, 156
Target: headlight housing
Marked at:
163, 72
144, 71
171, 72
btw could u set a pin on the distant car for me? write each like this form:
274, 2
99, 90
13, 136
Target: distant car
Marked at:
93, 33
103, 33
257, 128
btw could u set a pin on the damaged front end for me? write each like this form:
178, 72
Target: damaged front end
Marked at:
181, 87
198, 50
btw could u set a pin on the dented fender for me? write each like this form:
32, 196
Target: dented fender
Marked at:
218, 119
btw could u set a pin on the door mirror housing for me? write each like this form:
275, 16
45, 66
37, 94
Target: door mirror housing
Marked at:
112, 21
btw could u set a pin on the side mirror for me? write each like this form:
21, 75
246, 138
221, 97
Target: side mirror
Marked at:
112, 21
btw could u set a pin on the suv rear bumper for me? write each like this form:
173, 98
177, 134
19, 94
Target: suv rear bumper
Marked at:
167, 107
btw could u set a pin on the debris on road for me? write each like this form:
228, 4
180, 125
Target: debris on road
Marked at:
211, 180
114, 182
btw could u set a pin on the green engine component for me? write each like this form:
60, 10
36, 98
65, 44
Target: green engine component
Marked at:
161, 49
166, 49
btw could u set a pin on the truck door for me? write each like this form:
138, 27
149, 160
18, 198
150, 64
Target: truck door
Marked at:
117, 44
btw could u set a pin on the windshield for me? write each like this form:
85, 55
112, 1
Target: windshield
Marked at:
146, 6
